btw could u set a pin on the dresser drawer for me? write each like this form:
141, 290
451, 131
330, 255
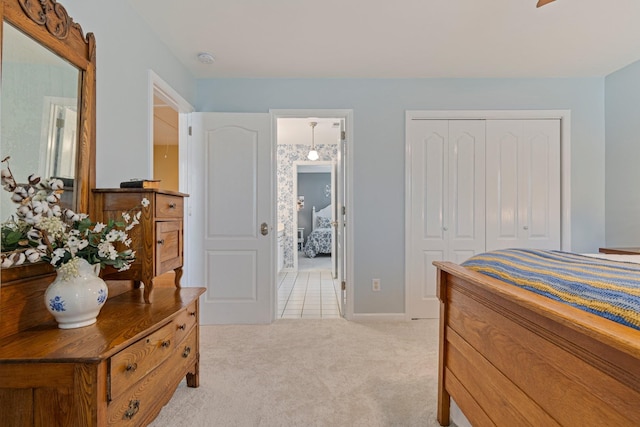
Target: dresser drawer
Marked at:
168, 246
168, 206
185, 321
140, 358
140, 404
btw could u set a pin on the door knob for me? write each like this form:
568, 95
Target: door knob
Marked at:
264, 229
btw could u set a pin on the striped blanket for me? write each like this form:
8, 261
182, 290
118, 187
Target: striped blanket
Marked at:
610, 289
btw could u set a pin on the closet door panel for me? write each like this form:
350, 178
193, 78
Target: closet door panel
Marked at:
523, 184
503, 188
435, 191
428, 141
542, 148
466, 188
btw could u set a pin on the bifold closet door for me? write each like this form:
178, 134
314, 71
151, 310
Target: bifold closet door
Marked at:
447, 202
523, 184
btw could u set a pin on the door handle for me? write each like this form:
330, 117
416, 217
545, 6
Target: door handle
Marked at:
264, 229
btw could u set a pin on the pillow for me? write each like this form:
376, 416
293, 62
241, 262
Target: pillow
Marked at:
323, 222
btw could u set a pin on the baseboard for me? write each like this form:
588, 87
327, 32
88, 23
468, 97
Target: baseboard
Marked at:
378, 317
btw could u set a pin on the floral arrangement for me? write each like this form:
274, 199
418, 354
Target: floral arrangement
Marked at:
41, 229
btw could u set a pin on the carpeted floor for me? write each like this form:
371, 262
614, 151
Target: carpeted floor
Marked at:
312, 373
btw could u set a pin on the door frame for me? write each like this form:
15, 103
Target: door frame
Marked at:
158, 87
347, 115
565, 167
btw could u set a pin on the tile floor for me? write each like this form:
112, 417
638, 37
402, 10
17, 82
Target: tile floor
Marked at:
309, 293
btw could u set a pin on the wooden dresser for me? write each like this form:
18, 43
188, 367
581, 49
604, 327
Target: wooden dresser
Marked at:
120, 371
620, 251
158, 240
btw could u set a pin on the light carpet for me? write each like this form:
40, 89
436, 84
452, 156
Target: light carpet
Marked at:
312, 373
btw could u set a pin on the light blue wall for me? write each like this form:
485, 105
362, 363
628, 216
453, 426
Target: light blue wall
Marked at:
622, 107
125, 52
379, 107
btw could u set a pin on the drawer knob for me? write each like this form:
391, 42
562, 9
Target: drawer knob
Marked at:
172, 205
182, 327
131, 367
134, 407
192, 314
166, 343
186, 352
161, 242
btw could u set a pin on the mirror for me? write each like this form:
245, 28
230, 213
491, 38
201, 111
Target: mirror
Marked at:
47, 120
39, 120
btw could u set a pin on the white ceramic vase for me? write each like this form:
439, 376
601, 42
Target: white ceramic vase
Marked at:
76, 301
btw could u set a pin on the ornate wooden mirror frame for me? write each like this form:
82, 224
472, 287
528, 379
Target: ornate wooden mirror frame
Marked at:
47, 23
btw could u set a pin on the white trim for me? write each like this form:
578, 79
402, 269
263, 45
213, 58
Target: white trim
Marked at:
347, 115
565, 164
160, 88
379, 317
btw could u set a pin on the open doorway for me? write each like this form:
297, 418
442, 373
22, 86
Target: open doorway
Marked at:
308, 282
169, 116
165, 144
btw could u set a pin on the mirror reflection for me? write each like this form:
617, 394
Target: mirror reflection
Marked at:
39, 118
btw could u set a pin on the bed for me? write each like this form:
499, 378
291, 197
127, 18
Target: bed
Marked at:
319, 240
510, 356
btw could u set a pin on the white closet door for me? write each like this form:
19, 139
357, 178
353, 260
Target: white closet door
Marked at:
447, 210
466, 208
523, 184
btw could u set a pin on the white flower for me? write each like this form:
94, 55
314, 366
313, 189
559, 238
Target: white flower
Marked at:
18, 258
145, 202
99, 227
57, 255
32, 255
56, 184
6, 262
107, 250
126, 217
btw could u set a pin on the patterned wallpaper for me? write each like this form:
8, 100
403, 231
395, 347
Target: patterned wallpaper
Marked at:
287, 155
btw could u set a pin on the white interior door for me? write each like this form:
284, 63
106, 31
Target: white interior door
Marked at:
234, 152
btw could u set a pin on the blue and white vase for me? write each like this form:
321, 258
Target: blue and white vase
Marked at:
76, 297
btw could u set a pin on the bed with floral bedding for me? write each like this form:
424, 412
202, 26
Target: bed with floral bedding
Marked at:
319, 240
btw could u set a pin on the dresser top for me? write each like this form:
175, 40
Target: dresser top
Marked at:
123, 320
139, 190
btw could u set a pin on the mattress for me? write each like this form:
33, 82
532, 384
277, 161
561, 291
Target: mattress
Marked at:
609, 288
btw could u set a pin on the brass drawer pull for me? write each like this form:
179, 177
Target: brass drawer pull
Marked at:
186, 352
182, 327
166, 343
134, 407
131, 367
161, 242
172, 205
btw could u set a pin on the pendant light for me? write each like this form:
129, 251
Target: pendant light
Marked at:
313, 154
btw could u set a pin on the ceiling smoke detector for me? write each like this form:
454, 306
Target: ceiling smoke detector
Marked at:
206, 58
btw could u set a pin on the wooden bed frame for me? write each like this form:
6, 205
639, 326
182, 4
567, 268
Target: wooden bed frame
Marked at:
511, 357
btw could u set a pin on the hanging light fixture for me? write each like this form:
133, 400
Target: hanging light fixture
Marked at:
313, 154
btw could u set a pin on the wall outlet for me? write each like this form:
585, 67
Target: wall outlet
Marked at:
375, 284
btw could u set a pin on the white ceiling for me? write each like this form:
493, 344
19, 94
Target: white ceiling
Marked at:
298, 131
399, 38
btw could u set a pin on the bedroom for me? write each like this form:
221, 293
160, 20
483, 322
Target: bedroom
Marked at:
602, 106
379, 106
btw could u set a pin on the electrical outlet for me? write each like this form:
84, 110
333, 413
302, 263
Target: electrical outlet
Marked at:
375, 284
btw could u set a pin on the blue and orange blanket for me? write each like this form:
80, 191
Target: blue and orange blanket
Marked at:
610, 289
